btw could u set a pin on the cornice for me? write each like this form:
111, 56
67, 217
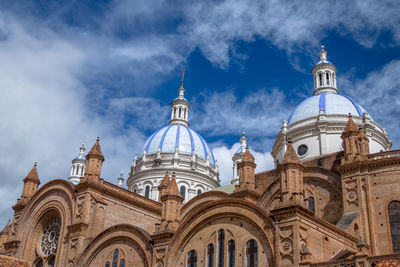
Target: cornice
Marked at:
106, 188
296, 210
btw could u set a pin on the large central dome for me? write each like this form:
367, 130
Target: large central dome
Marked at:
177, 138
176, 149
329, 103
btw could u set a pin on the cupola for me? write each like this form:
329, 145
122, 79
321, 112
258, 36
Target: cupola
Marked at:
324, 73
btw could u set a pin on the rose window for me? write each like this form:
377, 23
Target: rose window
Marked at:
50, 236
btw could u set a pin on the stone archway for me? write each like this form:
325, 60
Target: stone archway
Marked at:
240, 220
133, 247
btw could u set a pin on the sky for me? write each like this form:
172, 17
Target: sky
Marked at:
74, 70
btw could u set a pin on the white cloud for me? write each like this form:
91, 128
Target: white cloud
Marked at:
224, 155
259, 113
290, 25
379, 94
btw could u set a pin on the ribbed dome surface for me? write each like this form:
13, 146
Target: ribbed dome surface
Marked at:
331, 103
177, 136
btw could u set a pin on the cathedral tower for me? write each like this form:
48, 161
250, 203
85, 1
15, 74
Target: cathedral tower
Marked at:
94, 161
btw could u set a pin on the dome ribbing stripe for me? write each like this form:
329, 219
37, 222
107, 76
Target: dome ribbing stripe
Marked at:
163, 137
177, 137
191, 138
354, 104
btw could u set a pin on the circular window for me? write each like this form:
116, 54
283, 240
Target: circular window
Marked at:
302, 150
50, 236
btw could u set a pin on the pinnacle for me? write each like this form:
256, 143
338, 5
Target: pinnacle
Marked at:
173, 187
290, 155
350, 126
33, 175
165, 180
96, 150
247, 157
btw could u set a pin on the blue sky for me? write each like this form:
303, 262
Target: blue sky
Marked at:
74, 70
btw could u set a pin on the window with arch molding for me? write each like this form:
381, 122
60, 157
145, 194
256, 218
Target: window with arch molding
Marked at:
122, 263
231, 253
182, 191
192, 258
77, 170
210, 255
184, 113
327, 78
311, 204
394, 221
107, 264
251, 253
51, 261
320, 79
198, 191
180, 111
221, 248
147, 191
39, 263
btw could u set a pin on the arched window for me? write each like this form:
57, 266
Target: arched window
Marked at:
82, 171
147, 191
77, 170
122, 263
51, 261
251, 253
115, 258
107, 264
327, 78
394, 220
180, 111
320, 79
184, 113
134, 190
221, 247
192, 259
39, 263
231, 253
311, 204
356, 231
182, 191
174, 113
210, 255
198, 191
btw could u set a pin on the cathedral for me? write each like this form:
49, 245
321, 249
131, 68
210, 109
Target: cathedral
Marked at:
332, 199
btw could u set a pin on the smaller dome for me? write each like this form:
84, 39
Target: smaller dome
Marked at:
177, 137
330, 103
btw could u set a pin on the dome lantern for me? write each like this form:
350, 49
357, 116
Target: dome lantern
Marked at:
180, 107
324, 73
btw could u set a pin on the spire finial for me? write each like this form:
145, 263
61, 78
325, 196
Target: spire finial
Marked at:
35, 164
323, 53
181, 89
183, 76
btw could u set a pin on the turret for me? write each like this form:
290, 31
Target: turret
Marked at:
78, 166
324, 73
162, 188
356, 144
237, 157
171, 205
121, 180
31, 183
290, 172
247, 168
94, 161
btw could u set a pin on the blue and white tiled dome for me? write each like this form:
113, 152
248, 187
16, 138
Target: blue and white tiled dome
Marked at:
330, 103
179, 137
